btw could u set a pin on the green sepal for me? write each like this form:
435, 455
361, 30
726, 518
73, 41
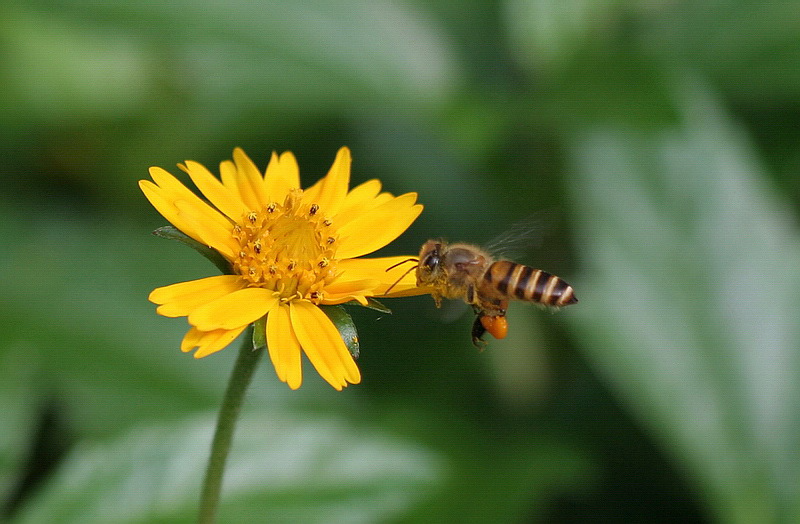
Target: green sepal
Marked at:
171, 233
371, 304
260, 333
347, 329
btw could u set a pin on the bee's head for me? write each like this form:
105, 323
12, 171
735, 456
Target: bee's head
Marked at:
430, 259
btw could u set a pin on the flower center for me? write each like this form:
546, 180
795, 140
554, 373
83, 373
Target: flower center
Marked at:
288, 248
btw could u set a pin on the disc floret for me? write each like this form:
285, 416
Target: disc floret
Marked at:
287, 247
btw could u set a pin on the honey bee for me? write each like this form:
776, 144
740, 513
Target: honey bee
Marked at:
467, 272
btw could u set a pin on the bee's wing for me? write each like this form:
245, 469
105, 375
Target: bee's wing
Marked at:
452, 310
522, 238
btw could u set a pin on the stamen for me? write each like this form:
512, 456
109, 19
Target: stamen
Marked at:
313, 210
252, 216
271, 207
331, 240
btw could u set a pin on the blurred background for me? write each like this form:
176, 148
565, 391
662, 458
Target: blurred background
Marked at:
655, 142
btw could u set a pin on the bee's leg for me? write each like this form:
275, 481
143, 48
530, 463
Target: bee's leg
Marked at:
471, 295
477, 334
437, 299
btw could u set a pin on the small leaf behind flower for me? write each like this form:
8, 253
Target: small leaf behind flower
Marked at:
260, 333
172, 233
371, 304
347, 329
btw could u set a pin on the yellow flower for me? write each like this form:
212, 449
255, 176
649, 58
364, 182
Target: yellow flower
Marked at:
290, 251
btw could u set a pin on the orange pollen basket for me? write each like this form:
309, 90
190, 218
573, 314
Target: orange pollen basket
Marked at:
497, 326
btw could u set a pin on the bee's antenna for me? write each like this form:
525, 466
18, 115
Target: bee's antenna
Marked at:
401, 263
415, 260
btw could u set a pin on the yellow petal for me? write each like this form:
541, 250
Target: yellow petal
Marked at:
205, 215
158, 197
352, 286
366, 206
250, 181
221, 340
191, 339
170, 184
228, 175
323, 345
208, 342
282, 176
210, 226
187, 212
284, 348
329, 193
376, 268
178, 300
378, 227
407, 292
227, 201
196, 219
345, 290
234, 310
341, 298
359, 196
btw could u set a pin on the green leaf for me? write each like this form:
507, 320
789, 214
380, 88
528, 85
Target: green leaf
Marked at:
689, 302
744, 46
748, 48
20, 399
347, 329
81, 319
171, 233
309, 55
283, 468
549, 31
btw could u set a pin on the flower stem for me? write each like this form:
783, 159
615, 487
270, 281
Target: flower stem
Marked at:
226, 424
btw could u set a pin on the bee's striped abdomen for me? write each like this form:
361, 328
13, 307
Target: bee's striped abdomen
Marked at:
525, 283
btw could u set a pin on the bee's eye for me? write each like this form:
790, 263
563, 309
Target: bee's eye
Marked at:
431, 261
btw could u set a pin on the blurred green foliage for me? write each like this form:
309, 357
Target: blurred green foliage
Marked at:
660, 141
